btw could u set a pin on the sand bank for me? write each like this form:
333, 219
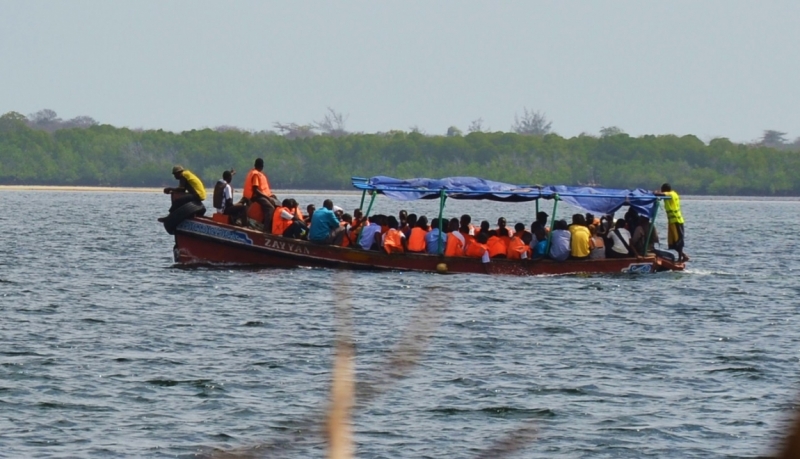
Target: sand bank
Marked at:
111, 189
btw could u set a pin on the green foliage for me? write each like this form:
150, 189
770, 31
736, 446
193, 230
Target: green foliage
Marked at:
106, 155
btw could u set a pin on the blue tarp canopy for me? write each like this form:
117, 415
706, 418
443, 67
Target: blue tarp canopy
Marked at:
600, 201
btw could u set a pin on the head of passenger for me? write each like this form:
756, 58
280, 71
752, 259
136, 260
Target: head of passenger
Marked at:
287, 203
402, 216
465, 220
561, 225
665, 187
357, 213
293, 203
578, 219
501, 222
338, 211
535, 226
412, 220
382, 220
435, 223
422, 222
227, 176
347, 218
501, 227
454, 225
519, 228
328, 204
593, 230
485, 227
620, 224
310, 210
527, 237
541, 217
589, 218
259, 164
482, 238
392, 222
540, 234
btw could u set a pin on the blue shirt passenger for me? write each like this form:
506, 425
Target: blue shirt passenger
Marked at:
323, 222
560, 244
432, 241
368, 235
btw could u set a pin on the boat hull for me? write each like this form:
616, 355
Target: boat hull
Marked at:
201, 240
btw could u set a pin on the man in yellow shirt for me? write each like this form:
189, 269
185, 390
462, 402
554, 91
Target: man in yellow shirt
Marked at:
675, 219
580, 238
189, 188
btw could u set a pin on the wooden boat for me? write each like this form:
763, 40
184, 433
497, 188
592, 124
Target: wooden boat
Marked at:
203, 240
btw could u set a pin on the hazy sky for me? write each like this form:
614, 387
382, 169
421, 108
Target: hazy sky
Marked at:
710, 68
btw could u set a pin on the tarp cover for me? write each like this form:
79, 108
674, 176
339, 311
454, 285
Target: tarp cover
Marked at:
600, 201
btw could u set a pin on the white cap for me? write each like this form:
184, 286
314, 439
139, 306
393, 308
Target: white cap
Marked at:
337, 209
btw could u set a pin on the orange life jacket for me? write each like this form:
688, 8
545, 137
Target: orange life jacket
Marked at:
498, 245
516, 248
475, 249
416, 242
279, 224
393, 243
454, 247
255, 212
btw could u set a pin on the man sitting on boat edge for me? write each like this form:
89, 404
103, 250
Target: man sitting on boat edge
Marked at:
325, 227
189, 189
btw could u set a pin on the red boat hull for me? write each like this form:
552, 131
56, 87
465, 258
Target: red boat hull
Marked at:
201, 240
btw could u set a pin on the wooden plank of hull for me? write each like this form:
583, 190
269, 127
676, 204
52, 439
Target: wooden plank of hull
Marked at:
201, 240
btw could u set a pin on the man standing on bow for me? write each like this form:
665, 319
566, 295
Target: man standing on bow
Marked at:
675, 219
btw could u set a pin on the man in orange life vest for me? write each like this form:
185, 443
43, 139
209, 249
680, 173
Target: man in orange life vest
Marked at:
256, 190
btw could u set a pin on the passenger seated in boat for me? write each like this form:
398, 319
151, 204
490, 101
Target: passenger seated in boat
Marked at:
223, 193
517, 249
540, 247
497, 245
432, 238
310, 213
560, 241
485, 229
597, 246
189, 189
325, 228
257, 191
393, 241
465, 226
455, 240
541, 218
631, 220
285, 222
370, 234
349, 234
502, 229
402, 218
416, 239
411, 223
579, 245
640, 236
619, 241
476, 248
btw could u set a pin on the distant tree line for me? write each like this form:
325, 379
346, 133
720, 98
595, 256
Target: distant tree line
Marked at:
43, 150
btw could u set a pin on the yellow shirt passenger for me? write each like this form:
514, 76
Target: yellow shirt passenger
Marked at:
580, 241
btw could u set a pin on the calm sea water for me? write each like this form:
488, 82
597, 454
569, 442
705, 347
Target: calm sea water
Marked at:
108, 350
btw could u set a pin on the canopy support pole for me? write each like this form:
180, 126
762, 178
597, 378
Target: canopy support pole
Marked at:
652, 225
363, 195
537, 209
552, 225
442, 199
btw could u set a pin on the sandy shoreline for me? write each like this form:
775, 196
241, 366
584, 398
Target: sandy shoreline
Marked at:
110, 189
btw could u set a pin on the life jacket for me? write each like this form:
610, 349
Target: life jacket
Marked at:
516, 248
454, 246
219, 190
416, 242
393, 241
279, 224
255, 212
349, 235
498, 245
475, 249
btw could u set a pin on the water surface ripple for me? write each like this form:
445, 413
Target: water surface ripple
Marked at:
108, 350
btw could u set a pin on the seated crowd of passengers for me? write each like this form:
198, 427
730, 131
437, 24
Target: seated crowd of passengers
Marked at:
587, 237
